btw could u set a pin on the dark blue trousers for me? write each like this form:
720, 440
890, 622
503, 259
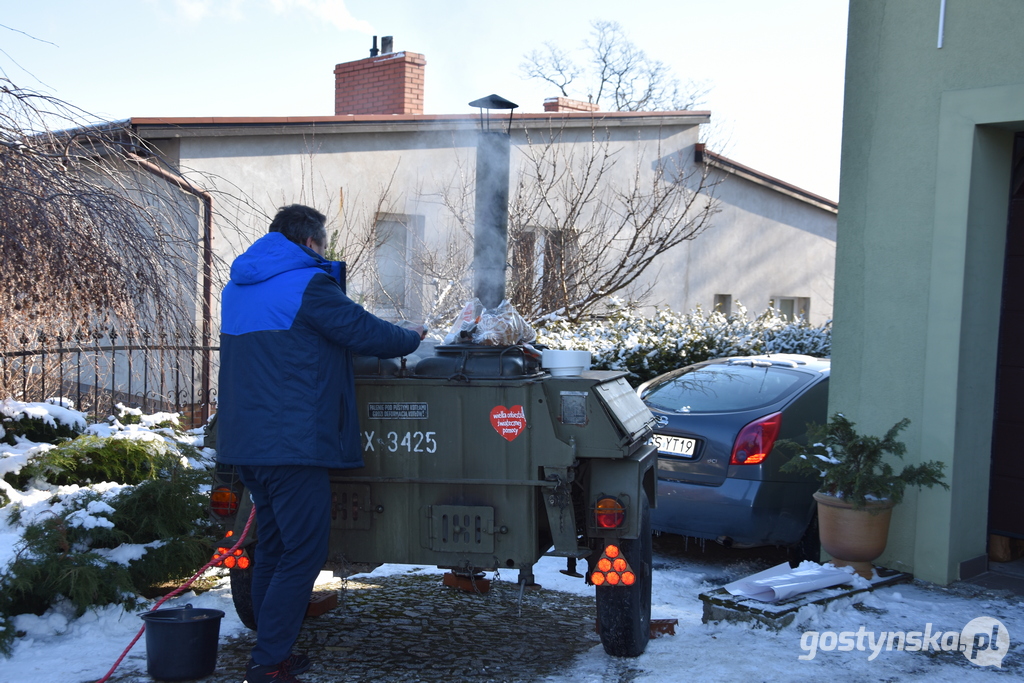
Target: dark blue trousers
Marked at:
293, 505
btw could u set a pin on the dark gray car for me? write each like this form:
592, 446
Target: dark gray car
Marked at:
718, 470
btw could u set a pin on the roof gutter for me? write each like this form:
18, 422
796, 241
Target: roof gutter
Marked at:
207, 329
703, 155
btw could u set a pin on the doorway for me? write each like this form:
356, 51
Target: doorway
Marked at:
1007, 477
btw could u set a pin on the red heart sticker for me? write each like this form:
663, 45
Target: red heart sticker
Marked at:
508, 422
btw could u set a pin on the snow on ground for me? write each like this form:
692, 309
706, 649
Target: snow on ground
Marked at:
851, 639
57, 650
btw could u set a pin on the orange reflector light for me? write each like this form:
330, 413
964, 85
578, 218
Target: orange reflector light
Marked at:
613, 569
229, 561
229, 534
610, 513
243, 562
223, 501
239, 552
221, 551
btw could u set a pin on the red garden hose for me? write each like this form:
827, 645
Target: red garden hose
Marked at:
180, 589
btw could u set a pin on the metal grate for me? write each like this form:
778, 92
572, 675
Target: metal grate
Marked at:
350, 506
461, 528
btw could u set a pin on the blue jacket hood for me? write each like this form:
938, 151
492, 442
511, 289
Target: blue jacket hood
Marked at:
271, 255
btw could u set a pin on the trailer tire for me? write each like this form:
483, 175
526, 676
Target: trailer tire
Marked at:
624, 613
241, 592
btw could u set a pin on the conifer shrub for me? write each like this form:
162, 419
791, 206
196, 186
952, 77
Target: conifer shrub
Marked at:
54, 563
171, 510
91, 459
131, 513
155, 421
852, 466
37, 424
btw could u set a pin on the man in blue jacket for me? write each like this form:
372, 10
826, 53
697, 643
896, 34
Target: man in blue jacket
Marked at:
287, 413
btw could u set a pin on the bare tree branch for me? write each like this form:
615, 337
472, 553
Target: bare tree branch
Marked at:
620, 77
552, 65
588, 233
79, 228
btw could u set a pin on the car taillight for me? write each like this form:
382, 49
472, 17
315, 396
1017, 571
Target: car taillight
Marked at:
610, 513
756, 440
223, 501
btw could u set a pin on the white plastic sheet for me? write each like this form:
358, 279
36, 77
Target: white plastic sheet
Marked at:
782, 581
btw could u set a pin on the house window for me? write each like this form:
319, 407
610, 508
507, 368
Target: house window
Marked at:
558, 285
723, 303
396, 285
544, 269
525, 269
792, 307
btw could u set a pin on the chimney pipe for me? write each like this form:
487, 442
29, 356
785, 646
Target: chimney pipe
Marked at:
386, 43
490, 243
373, 50
490, 234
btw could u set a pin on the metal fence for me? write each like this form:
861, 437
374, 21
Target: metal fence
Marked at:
97, 371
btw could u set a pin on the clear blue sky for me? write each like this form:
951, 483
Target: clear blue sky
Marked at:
776, 68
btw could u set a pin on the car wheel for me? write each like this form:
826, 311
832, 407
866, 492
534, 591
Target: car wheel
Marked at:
241, 592
624, 612
809, 545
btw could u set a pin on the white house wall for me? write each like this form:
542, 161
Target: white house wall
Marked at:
761, 243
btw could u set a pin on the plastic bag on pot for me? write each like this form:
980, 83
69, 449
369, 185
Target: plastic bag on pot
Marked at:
462, 329
503, 326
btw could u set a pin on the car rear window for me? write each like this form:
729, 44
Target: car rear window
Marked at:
721, 388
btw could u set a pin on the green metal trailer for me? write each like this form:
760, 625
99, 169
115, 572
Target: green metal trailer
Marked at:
477, 459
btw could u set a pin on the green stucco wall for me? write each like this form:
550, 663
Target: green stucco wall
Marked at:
924, 187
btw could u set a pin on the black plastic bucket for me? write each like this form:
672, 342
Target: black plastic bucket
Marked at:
181, 643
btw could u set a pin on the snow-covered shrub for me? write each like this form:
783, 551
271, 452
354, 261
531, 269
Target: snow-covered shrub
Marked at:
167, 520
154, 421
52, 422
101, 517
123, 457
649, 346
55, 561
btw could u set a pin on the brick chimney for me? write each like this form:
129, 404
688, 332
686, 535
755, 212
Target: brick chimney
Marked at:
564, 104
386, 83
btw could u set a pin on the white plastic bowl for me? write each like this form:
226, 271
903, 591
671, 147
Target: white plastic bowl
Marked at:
565, 363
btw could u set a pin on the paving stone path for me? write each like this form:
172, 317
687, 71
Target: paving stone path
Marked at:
409, 627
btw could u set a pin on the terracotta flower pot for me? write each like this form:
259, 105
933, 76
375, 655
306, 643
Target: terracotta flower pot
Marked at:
853, 537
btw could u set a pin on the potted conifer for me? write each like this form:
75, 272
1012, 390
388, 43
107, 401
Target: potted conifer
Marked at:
858, 488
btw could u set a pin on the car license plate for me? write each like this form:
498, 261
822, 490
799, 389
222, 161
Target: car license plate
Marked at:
675, 445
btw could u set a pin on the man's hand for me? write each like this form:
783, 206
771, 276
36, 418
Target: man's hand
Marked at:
420, 329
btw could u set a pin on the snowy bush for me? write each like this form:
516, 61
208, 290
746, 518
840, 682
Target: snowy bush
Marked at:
649, 346
50, 422
99, 514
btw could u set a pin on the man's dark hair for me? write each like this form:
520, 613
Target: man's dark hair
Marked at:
298, 223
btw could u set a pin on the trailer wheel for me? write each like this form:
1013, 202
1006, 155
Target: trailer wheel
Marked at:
624, 613
241, 592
